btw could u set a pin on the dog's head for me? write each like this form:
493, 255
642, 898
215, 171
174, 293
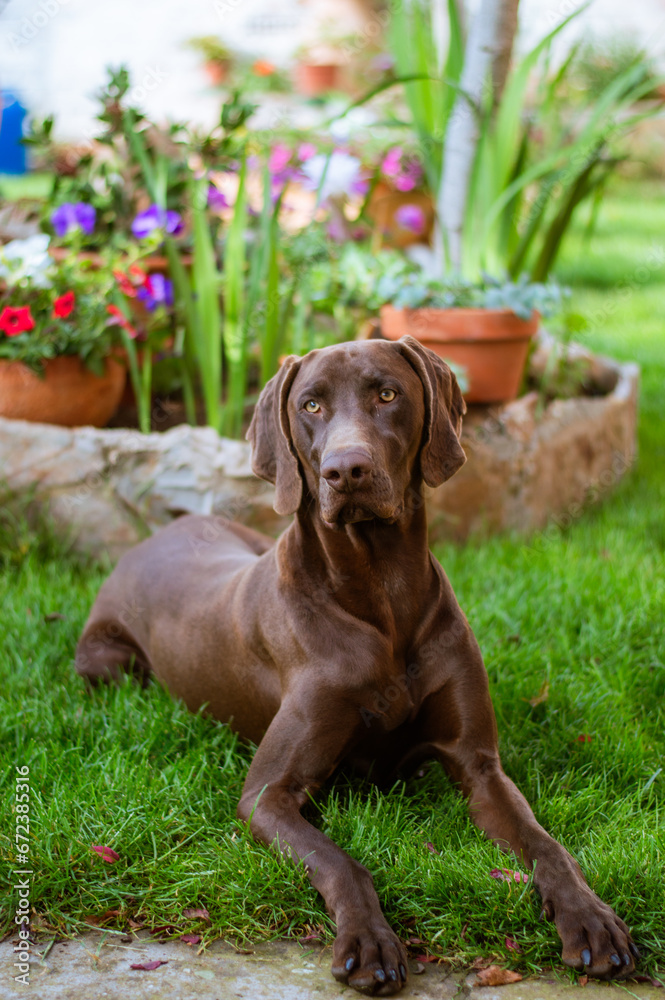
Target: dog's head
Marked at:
358, 423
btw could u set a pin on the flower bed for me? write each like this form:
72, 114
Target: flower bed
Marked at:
107, 489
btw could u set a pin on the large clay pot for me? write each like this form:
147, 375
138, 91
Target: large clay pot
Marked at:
68, 394
491, 344
313, 79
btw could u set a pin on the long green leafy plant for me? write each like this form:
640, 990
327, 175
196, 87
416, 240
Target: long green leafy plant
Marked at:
537, 159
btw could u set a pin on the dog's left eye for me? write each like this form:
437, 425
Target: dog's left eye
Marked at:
311, 406
387, 395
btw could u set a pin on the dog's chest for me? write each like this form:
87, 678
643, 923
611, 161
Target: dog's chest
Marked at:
389, 703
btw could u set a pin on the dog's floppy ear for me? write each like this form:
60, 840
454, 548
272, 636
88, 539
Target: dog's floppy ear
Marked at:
273, 457
441, 453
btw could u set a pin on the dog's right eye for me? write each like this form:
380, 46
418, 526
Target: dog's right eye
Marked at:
311, 406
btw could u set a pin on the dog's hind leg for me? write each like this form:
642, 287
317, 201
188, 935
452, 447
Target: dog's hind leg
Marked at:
106, 650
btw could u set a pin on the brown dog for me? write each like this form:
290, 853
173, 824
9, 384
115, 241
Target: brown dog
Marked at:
341, 641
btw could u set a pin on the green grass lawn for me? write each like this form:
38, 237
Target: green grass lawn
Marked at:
581, 610
32, 185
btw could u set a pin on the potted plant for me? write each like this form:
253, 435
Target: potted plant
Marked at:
318, 68
486, 328
217, 57
60, 359
400, 207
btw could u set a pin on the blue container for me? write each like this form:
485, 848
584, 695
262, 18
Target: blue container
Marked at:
12, 152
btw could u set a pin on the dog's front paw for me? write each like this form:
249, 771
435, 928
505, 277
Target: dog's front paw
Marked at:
595, 940
371, 958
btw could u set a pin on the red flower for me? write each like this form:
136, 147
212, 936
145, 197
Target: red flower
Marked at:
138, 272
64, 306
124, 284
120, 318
16, 320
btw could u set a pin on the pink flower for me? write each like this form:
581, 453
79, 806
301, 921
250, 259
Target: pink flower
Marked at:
280, 156
392, 162
403, 182
306, 151
121, 320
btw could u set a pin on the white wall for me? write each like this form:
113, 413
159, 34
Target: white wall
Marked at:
53, 52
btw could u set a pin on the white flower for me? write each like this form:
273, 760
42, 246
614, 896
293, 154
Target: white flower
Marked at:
27, 259
354, 121
343, 171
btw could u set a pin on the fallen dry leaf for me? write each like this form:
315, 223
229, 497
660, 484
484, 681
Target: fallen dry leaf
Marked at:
191, 938
309, 937
512, 944
198, 913
426, 958
583, 980
102, 917
105, 853
418, 969
648, 979
508, 875
542, 695
584, 738
494, 975
430, 847
55, 616
413, 941
164, 930
149, 966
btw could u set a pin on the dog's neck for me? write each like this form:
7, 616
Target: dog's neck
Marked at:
374, 570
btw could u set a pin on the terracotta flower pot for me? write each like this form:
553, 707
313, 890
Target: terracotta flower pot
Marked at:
217, 71
383, 208
68, 394
491, 344
313, 79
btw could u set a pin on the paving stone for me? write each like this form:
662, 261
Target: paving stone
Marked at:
96, 966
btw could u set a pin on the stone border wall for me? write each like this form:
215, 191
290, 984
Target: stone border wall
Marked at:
108, 489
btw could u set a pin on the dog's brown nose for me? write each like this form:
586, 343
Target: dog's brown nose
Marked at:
347, 470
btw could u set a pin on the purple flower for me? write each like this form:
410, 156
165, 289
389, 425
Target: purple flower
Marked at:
216, 199
74, 215
412, 218
410, 176
384, 61
359, 186
156, 291
156, 218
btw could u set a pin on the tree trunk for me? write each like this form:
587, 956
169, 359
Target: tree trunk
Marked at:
503, 47
488, 46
